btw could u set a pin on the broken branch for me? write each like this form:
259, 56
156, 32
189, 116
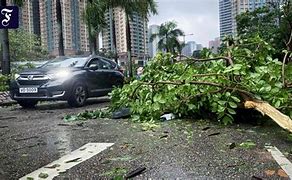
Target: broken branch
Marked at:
190, 59
283, 68
266, 109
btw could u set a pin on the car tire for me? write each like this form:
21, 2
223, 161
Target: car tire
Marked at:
78, 95
27, 104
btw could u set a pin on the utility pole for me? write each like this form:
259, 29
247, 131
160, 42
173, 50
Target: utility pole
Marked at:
5, 64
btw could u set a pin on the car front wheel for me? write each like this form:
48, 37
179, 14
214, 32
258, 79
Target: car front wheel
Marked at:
78, 96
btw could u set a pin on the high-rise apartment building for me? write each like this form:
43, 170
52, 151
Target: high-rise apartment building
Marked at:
116, 32
153, 46
39, 17
199, 47
189, 48
214, 45
229, 9
225, 17
240, 6
29, 16
75, 33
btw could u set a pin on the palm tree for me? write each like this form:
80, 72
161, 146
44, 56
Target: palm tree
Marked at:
60, 27
112, 4
5, 64
143, 8
95, 21
168, 34
180, 47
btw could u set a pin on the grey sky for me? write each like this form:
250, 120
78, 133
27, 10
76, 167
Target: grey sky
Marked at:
200, 17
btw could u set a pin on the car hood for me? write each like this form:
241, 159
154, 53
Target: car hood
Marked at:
39, 71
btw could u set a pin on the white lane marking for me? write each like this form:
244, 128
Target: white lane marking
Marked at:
285, 164
68, 161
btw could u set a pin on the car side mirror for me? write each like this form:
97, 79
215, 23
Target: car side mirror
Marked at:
93, 67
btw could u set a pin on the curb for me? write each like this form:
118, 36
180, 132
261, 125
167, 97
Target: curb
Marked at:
9, 103
5, 99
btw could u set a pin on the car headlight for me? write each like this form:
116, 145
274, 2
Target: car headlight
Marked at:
16, 76
63, 74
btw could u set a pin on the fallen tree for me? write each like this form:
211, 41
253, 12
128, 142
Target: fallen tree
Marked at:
246, 77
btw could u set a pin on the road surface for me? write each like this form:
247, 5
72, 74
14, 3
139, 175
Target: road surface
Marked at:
177, 149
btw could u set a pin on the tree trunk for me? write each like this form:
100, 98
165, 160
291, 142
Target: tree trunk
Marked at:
91, 39
5, 64
94, 44
60, 27
266, 109
129, 48
113, 28
97, 43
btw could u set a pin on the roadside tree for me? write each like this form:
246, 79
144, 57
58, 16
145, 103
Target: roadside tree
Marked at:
168, 34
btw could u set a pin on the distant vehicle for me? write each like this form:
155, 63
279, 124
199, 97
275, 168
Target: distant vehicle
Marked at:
73, 79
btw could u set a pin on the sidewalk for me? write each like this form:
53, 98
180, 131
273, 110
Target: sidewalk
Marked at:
5, 99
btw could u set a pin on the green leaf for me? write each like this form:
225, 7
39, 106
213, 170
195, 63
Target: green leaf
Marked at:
191, 106
69, 118
247, 144
235, 99
222, 102
277, 104
232, 104
231, 111
227, 120
43, 175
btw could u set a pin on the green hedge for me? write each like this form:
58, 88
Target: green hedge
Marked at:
3, 83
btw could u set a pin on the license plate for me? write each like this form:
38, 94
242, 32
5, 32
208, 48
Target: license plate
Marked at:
28, 90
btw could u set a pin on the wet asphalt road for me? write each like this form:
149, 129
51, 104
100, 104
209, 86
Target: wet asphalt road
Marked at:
30, 139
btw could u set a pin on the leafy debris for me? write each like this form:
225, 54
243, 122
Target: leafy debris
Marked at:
99, 113
43, 175
247, 145
115, 172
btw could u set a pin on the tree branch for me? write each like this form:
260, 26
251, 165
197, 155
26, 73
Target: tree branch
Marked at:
202, 83
190, 59
207, 75
289, 41
199, 95
283, 69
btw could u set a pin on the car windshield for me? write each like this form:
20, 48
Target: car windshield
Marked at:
65, 62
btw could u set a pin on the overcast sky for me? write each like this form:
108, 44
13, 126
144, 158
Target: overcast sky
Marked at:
198, 17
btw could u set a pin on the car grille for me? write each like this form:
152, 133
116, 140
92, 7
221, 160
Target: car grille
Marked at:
40, 94
35, 80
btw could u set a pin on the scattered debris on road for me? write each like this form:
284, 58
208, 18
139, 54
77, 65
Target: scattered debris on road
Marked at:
167, 117
206, 128
135, 173
214, 134
231, 145
73, 160
122, 113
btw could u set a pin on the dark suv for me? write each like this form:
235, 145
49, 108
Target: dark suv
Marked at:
73, 79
